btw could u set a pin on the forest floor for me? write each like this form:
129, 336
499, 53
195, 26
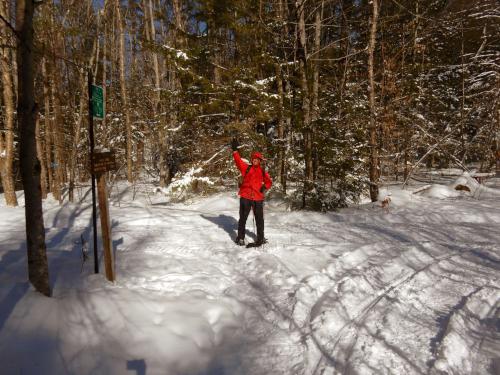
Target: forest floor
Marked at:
411, 290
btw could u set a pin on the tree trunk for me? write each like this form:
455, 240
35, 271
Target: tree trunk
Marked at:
281, 126
463, 135
135, 72
123, 89
281, 161
76, 140
38, 271
104, 57
48, 128
179, 23
41, 157
151, 37
306, 114
177, 40
315, 88
374, 160
56, 92
7, 135
57, 134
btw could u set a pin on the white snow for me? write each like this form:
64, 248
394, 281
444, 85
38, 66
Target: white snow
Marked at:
411, 290
265, 81
178, 53
256, 88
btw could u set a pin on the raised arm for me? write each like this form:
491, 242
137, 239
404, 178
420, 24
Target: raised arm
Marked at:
242, 166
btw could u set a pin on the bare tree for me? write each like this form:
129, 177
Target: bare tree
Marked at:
123, 88
315, 87
7, 134
38, 271
150, 31
280, 78
306, 108
374, 160
48, 129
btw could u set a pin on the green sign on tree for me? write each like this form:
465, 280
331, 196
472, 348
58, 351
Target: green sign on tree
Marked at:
97, 102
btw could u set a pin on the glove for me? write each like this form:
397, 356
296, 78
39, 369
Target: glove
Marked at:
263, 187
235, 144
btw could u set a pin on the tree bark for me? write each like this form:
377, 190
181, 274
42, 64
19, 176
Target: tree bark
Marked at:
306, 108
41, 157
57, 135
178, 41
281, 126
7, 134
48, 128
38, 271
76, 140
179, 23
315, 88
150, 31
374, 160
281, 164
104, 57
56, 90
123, 89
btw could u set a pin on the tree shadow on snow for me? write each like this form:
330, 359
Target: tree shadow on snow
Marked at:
56, 257
10, 295
229, 224
9, 302
71, 262
137, 365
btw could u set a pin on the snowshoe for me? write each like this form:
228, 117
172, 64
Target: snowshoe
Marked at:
257, 243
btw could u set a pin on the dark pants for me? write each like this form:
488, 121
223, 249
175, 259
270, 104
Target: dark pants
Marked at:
258, 208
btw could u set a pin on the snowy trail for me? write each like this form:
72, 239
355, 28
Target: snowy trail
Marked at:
415, 291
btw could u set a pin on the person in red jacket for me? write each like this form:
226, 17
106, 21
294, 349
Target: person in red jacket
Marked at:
255, 182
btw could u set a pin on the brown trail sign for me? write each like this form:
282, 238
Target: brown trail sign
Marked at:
104, 162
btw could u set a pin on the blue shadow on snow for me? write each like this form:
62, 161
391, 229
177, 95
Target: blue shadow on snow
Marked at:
229, 224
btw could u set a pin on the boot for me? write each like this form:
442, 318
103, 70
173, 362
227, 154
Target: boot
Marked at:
257, 243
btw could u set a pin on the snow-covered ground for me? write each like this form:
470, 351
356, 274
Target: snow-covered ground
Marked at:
363, 291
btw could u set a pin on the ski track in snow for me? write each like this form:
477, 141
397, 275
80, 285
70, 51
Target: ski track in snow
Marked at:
414, 291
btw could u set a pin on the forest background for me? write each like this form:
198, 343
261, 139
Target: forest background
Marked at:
336, 93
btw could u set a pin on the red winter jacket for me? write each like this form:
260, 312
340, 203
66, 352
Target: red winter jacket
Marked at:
252, 181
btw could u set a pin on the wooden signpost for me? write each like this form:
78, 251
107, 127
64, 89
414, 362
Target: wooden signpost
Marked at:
498, 163
102, 163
